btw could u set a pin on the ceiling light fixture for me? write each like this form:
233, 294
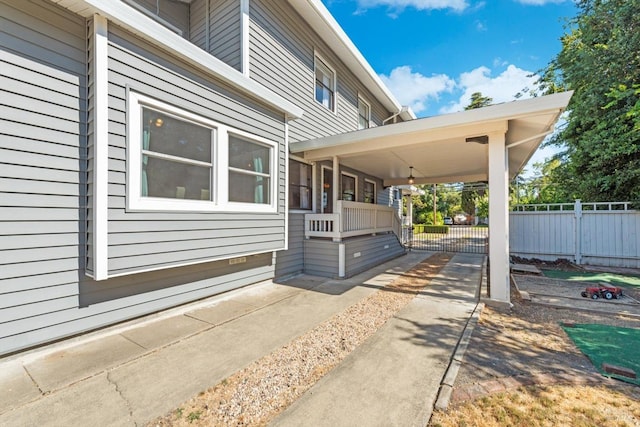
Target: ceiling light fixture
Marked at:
411, 179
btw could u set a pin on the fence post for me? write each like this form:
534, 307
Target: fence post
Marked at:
578, 237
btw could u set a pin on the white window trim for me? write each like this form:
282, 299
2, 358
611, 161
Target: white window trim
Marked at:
375, 191
355, 189
316, 57
220, 159
368, 104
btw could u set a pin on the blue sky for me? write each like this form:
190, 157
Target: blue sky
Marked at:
433, 54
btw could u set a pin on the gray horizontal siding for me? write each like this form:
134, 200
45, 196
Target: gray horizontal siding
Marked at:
44, 173
42, 116
100, 304
225, 37
321, 257
143, 69
282, 58
291, 261
198, 23
372, 250
361, 253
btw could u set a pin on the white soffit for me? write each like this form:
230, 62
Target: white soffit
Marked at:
148, 29
323, 23
436, 147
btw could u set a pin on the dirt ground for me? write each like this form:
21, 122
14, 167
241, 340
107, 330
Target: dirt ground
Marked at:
523, 353
529, 340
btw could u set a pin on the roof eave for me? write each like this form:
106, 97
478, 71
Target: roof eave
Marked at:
493, 113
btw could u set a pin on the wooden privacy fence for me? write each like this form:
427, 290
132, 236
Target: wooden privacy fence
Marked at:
606, 234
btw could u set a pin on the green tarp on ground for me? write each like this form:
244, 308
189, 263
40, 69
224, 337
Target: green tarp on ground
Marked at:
609, 344
583, 276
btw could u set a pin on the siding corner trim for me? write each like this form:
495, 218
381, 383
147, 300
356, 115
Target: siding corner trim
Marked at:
100, 92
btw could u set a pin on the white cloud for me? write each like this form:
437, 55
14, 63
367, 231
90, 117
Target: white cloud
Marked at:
501, 88
414, 89
399, 5
538, 2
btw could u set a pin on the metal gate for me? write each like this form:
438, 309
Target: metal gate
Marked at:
454, 238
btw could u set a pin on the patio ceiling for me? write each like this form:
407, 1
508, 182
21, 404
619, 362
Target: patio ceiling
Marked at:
437, 147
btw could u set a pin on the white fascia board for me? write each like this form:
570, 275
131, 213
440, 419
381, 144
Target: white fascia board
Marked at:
148, 29
499, 113
318, 16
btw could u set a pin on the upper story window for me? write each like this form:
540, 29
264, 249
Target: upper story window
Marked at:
299, 185
364, 114
173, 14
325, 84
179, 161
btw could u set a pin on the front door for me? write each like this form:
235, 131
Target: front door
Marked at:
327, 190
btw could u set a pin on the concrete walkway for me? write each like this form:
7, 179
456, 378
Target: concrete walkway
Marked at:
131, 374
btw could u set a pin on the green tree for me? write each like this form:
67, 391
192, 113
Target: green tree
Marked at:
478, 101
600, 61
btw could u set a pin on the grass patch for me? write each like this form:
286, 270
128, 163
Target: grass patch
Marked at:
608, 344
558, 405
435, 229
581, 276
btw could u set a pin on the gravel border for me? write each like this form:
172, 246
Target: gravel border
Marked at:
259, 392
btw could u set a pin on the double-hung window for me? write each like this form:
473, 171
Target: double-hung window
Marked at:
364, 114
178, 160
249, 171
369, 191
177, 157
325, 84
348, 186
299, 185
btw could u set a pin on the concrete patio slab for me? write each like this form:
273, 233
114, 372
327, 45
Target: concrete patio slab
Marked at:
394, 377
117, 380
17, 386
166, 331
222, 312
267, 295
74, 364
161, 381
92, 402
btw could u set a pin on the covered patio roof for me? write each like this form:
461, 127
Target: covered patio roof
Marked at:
446, 148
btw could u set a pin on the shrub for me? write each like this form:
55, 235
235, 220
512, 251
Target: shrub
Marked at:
436, 229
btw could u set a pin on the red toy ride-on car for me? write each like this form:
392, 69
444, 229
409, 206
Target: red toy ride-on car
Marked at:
606, 292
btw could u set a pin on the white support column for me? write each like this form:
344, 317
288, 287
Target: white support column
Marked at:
342, 261
499, 218
410, 210
336, 182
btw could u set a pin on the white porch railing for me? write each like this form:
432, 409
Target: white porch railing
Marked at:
353, 219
